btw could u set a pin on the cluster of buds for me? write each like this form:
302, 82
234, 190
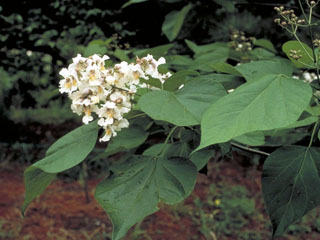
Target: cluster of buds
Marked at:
295, 54
106, 92
288, 17
240, 42
316, 43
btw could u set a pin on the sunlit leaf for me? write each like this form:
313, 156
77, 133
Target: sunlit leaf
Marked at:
185, 106
65, 153
257, 69
273, 101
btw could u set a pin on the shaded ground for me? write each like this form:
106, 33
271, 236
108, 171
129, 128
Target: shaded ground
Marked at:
226, 205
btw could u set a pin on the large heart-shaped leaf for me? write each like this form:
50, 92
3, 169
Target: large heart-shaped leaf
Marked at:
291, 185
257, 69
65, 153
273, 101
137, 186
184, 107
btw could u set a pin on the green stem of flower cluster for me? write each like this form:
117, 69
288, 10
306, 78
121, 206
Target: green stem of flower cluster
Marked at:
309, 21
138, 115
313, 133
167, 139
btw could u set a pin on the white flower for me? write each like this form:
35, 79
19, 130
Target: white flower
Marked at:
70, 81
107, 135
103, 122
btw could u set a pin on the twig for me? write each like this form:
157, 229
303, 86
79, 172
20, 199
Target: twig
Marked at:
249, 149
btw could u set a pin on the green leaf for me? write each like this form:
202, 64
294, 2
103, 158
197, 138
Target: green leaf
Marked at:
227, 81
94, 49
122, 55
257, 69
290, 185
283, 137
137, 186
225, 148
178, 149
226, 68
251, 139
179, 60
265, 44
177, 79
155, 82
203, 61
273, 101
200, 49
126, 139
156, 52
306, 61
65, 153
36, 181
184, 107
201, 158
303, 122
132, 2
69, 150
261, 54
227, 5
174, 21
156, 149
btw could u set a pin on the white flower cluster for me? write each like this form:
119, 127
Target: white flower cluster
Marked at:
106, 92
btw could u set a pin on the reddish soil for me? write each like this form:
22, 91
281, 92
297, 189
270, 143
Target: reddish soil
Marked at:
62, 212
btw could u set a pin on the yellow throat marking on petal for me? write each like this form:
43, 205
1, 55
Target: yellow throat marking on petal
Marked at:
87, 111
136, 75
67, 85
100, 90
110, 113
108, 131
92, 75
74, 82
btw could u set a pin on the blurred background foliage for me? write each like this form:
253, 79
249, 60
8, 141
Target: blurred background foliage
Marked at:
38, 38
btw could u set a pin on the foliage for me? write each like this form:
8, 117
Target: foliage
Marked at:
241, 93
